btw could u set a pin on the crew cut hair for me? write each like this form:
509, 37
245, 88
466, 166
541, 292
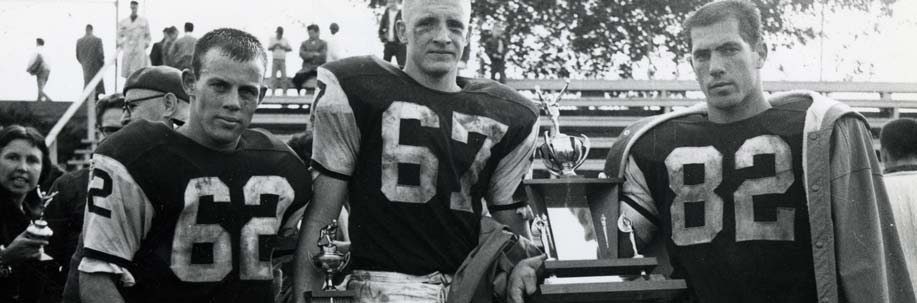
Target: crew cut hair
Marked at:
899, 138
238, 45
743, 11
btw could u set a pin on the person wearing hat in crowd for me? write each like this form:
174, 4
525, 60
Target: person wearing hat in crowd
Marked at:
155, 93
65, 215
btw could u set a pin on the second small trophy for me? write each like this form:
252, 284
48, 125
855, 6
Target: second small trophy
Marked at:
330, 261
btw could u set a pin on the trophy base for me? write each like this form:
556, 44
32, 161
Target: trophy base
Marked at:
608, 280
332, 296
625, 291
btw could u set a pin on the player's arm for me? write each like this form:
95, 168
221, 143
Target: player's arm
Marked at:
334, 151
637, 205
99, 288
507, 178
118, 216
326, 205
870, 262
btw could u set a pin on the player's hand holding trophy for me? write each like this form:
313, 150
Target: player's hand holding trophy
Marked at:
330, 260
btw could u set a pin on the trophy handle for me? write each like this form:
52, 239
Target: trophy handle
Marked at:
587, 145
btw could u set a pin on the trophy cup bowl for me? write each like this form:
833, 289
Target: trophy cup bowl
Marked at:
331, 262
562, 153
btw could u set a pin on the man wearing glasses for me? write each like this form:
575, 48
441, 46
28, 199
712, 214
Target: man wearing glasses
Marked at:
155, 93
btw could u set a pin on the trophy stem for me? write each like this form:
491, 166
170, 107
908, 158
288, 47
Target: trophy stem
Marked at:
329, 282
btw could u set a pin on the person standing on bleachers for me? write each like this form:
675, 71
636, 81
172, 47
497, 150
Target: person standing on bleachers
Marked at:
133, 39
38, 66
313, 52
279, 47
181, 51
90, 54
335, 49
392, 46
899, 153
496, 46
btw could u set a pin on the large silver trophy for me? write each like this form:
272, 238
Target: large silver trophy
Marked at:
575, 223
561, 153
330, 261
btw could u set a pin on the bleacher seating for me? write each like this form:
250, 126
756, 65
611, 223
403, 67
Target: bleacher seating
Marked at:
600, 109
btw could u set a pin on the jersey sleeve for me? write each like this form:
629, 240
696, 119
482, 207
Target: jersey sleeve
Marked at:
511, 170
636, 203
118, 217
336, 135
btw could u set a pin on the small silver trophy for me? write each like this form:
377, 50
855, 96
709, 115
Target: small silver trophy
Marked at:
330, 260
541, 234
627, 227
561, 153
38, 228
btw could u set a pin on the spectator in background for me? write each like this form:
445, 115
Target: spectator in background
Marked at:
495, 46
39, 67
899, 152
65, 215
335, 50
171, 33
313, 53
156, 51
388, 34
155, 93
90, 54
279, 47
183, 48
133, 39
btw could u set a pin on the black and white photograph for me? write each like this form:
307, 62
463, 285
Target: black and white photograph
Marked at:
458, 151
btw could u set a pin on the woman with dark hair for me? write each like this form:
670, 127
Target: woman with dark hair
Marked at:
23, 164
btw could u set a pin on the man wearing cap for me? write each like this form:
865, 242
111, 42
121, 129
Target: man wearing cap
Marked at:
155, 93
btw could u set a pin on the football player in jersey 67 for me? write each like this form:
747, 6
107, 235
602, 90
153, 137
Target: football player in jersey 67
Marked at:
189, 215
416, 151
784, 204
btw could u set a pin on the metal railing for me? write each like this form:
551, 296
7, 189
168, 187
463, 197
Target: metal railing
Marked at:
88, 92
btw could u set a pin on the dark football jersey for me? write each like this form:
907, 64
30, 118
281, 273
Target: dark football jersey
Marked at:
730, 202
190, 224
418, 161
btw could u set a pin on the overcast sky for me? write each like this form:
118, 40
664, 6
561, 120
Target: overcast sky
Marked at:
61, 23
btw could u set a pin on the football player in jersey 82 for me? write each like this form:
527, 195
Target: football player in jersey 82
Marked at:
792, 211
189, 215
416, 151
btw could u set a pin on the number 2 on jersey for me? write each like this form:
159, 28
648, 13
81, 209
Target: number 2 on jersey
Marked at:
395, 153
747, 229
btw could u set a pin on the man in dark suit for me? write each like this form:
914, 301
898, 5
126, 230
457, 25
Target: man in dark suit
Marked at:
156, 52
90, 55
388, 34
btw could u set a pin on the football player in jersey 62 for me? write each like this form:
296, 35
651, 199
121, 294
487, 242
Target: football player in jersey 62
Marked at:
189, 215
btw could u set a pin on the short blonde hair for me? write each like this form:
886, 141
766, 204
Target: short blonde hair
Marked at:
409, 6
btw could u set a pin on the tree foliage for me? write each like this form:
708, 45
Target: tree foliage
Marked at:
607, 38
